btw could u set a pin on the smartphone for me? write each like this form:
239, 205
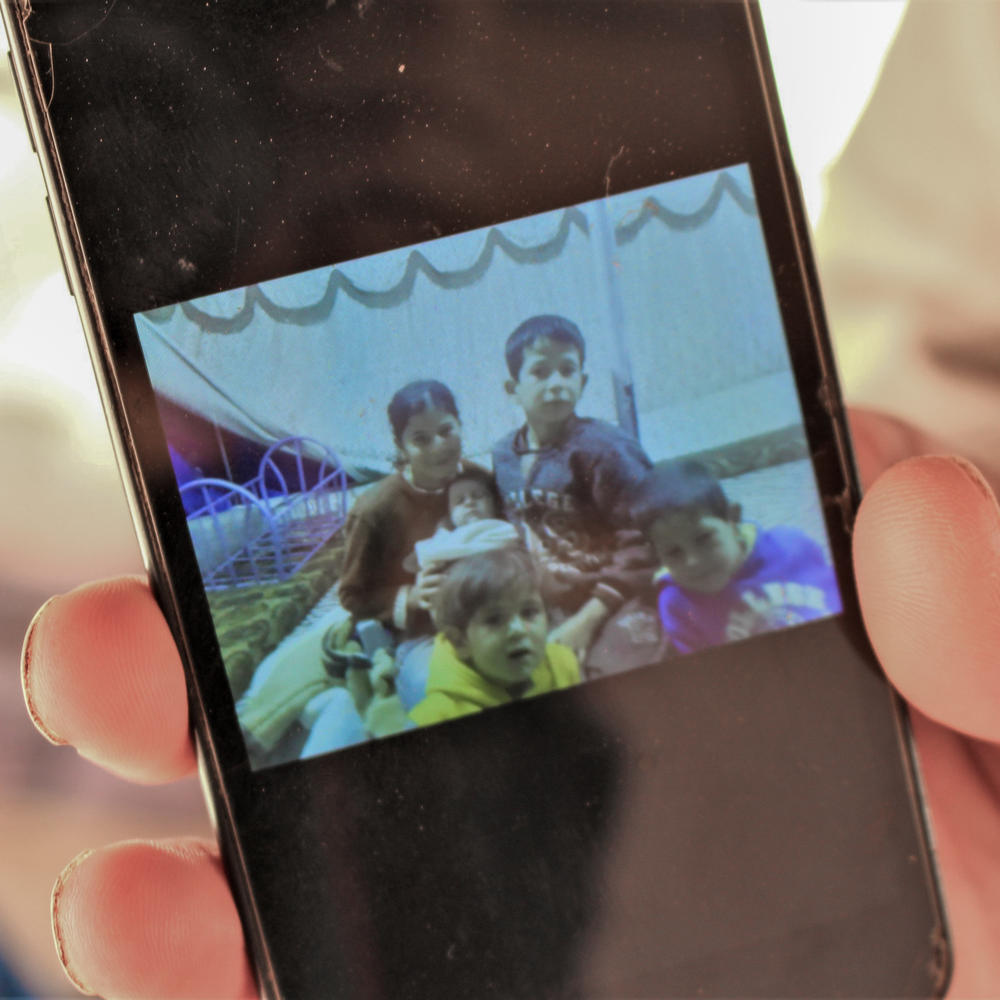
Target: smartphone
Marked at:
348, 270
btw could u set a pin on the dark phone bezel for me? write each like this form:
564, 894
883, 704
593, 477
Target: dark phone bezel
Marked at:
167, 551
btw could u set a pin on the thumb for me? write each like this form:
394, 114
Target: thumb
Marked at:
927, 560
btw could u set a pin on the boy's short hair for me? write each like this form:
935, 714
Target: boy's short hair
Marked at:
672, 486
477, 474
477, 580
556, 328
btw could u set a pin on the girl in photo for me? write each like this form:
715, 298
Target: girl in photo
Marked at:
406, 507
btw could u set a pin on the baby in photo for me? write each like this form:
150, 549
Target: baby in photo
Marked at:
474, 522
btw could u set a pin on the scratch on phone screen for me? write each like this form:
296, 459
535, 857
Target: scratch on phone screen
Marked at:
93, 27
607, 173
330, 61
28, 11
844, 502
52, 78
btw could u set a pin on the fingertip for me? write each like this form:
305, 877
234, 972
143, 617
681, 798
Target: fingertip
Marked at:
150, 919
100, 671
28, 663
881, 440
927, 560
66, 878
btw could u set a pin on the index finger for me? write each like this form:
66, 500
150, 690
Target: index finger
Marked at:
101, 672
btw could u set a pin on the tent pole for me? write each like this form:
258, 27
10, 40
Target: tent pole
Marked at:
622, 382
222, 451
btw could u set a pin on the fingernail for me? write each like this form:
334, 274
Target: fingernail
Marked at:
27, 651
58, 891
975, 476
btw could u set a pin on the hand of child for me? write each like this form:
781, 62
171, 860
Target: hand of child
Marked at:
383, 673
758, 614
557, 579
424, 591
102, 674
386, 716
578, 631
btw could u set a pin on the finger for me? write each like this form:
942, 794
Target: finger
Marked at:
927, 560
101, 672
144, 919
881, 441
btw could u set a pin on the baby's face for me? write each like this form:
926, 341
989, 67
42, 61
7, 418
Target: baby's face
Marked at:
505, 639
469, 500
701, 551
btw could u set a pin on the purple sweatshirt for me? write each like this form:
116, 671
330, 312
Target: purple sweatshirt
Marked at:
785, 581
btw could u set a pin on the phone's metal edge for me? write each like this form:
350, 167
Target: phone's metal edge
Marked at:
833, 402
82, 289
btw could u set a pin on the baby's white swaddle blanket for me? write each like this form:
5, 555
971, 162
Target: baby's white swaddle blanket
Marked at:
445, 545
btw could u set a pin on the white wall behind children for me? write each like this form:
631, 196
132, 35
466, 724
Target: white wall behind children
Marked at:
682, 310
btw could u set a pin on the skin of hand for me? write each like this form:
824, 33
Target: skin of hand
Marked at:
578, 631
154, 919
424, 591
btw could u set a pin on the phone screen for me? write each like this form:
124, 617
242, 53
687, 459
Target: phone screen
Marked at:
419, 378
470, 368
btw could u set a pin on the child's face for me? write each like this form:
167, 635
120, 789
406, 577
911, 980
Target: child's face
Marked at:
505, 639
431, 443
469, 500
701, 551
550, 382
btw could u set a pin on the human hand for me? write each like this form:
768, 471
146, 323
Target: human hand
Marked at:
424, 591
101, 673
577, 632
153, 920
927, 561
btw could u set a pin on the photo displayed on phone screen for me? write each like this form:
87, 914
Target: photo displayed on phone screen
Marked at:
441, 479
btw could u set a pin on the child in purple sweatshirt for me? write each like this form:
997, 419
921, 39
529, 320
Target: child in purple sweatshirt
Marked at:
724, 578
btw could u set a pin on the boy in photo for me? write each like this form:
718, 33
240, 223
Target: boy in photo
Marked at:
567, 480
492, 647
724, 578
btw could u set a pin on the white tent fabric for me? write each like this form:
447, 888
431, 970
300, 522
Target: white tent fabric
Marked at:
670, 286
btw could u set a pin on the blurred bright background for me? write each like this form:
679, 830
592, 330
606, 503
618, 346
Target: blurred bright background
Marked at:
63, 518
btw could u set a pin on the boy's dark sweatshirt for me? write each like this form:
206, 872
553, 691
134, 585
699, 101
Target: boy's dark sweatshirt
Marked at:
573, 503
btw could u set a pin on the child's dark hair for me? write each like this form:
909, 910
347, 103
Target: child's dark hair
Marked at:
418, 397
556, 328
477, 580
686, 484
477, 474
